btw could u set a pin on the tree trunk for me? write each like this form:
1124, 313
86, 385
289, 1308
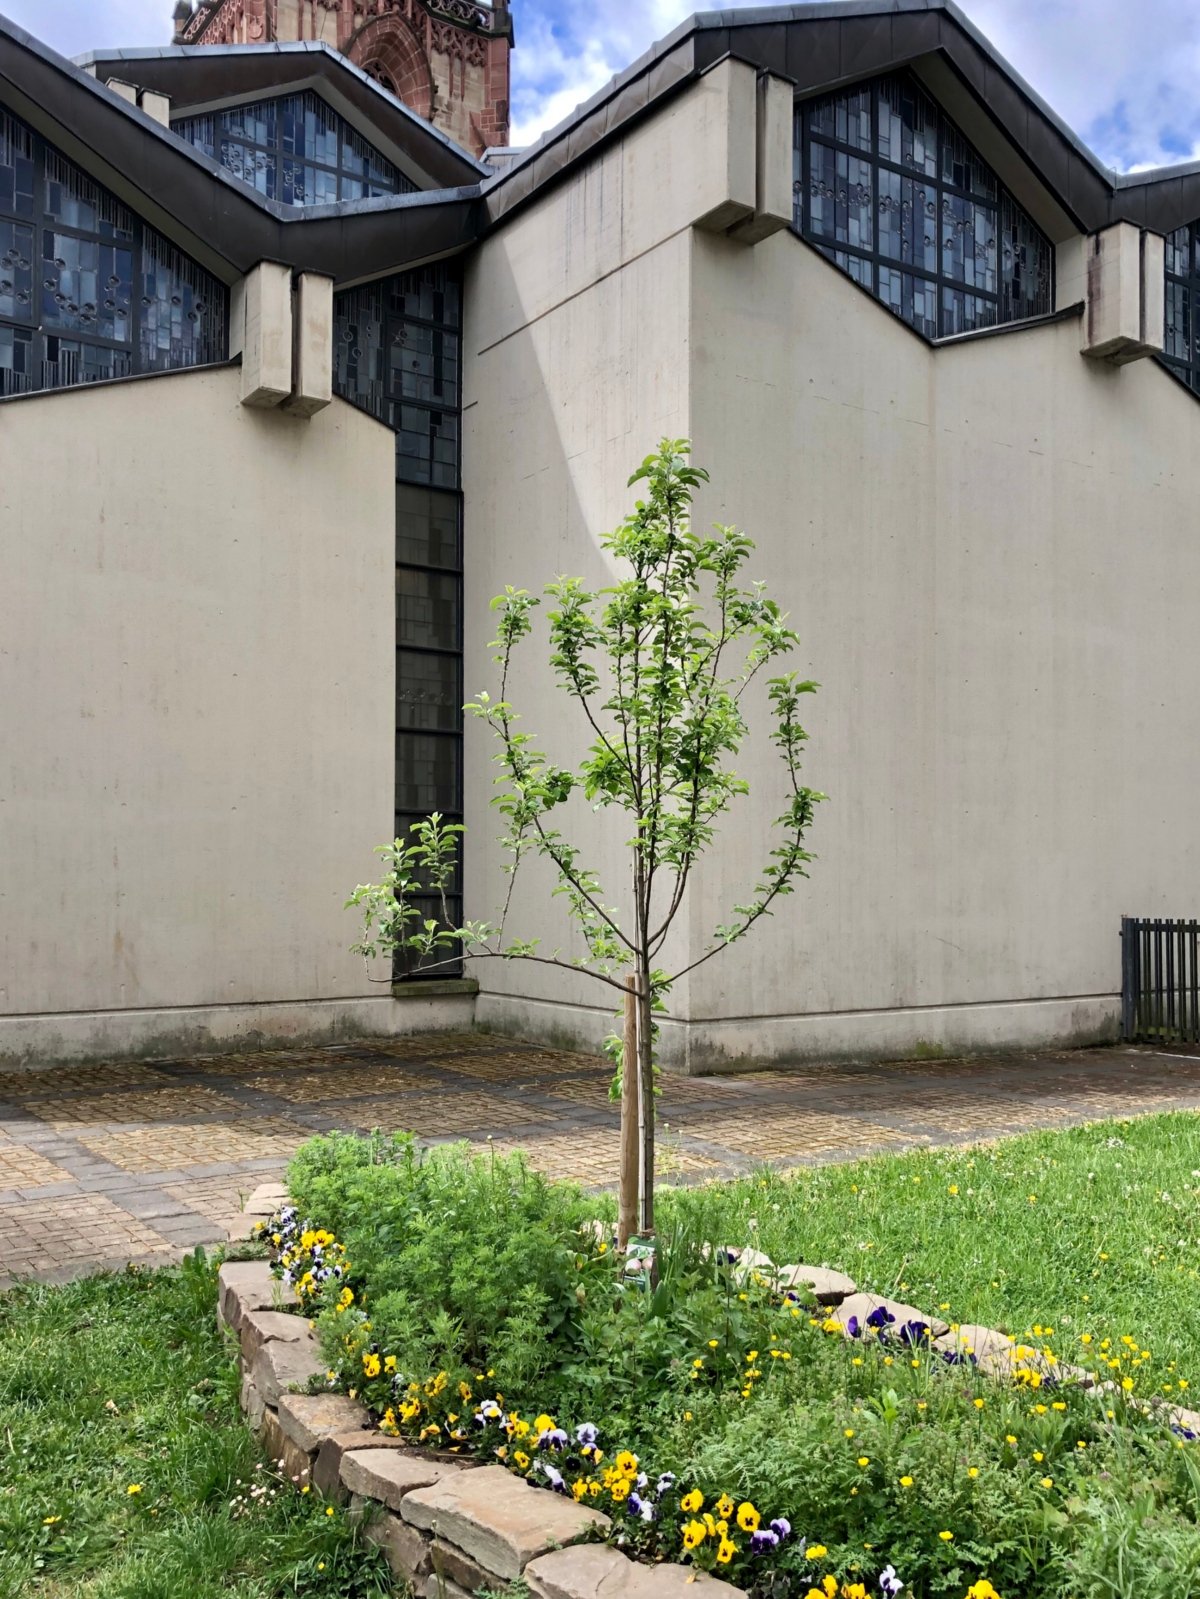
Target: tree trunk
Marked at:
627, 1218
645, 1042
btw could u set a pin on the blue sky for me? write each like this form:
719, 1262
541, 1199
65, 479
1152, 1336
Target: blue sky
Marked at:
1125, 74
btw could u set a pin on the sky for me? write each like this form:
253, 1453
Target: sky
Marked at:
1124, 74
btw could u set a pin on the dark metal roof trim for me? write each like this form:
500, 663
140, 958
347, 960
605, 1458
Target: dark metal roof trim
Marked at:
193, 75
223, 222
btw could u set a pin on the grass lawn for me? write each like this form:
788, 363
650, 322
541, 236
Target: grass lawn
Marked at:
1095, 1230
122, 1382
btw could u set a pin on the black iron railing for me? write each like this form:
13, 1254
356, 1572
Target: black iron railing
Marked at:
1160, 980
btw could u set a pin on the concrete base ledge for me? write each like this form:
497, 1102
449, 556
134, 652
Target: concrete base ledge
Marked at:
56, 1038
742, 1043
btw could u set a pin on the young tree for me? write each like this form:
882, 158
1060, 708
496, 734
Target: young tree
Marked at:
659, 665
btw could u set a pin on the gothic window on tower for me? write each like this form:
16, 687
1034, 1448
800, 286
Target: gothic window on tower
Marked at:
296, 150
89, 291
891, 192
397, 354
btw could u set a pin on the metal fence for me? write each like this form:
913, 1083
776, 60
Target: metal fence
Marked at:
1160, 980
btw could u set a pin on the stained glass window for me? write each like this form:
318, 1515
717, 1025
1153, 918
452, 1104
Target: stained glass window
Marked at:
87, 290
397, 354
1181, 345
891, 192
296, 150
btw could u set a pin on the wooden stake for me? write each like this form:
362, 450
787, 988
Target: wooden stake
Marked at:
630, 1066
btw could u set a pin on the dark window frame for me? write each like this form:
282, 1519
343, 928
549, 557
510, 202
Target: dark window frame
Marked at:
380, 392
206, 133
1011, 218
129, 235
1185, 368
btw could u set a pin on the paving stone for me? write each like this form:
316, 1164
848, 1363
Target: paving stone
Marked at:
593, 1571
388, 1474
294, 1462
241, 1229
827, 1287
858, 1307
308, 1419
279, 1366
404, 1548
266, 1199
244, 1285
497, 1519
266, 1326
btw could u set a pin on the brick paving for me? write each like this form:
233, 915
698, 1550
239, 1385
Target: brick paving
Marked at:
105, 1164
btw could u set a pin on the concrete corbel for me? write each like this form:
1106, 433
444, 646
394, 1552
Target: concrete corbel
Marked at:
312, 371
263, 332
1125, 294
727, 137
773, 201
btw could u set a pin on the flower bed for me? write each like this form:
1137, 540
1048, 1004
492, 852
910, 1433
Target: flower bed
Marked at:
715, 1420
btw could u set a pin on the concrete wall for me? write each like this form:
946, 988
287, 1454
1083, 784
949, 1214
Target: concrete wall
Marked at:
196, 714
576, 337
989, 551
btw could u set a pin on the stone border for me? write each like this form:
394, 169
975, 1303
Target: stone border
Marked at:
448, 1527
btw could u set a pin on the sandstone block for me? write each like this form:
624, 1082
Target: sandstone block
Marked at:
265, 1326
442, 1587
251, 1400
459, 1567
592, 1571
244, 1285
278, 1366
753, 1261
327, 1469
308, 1419
497, 1519
984, 1343
389, 1474
293, 1461
892, 1316
827, 1287
404, 1548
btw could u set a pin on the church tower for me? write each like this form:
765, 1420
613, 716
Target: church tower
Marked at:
446, 59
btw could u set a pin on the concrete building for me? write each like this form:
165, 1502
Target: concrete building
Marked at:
269, 335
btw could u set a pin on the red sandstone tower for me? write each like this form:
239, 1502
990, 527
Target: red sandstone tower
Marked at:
447, 59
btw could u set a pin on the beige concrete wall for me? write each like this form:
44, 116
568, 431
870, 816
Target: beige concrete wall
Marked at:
989, 550
568, 381
196, 715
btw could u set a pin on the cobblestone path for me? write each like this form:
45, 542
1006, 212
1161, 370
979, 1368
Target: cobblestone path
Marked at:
104, 1164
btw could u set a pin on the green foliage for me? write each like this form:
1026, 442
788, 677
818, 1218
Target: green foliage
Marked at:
122, 1381
872, 1451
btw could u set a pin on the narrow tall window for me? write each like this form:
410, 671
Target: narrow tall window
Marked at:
296, 150
398, 355
1181, 343
891, 192
87, 289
